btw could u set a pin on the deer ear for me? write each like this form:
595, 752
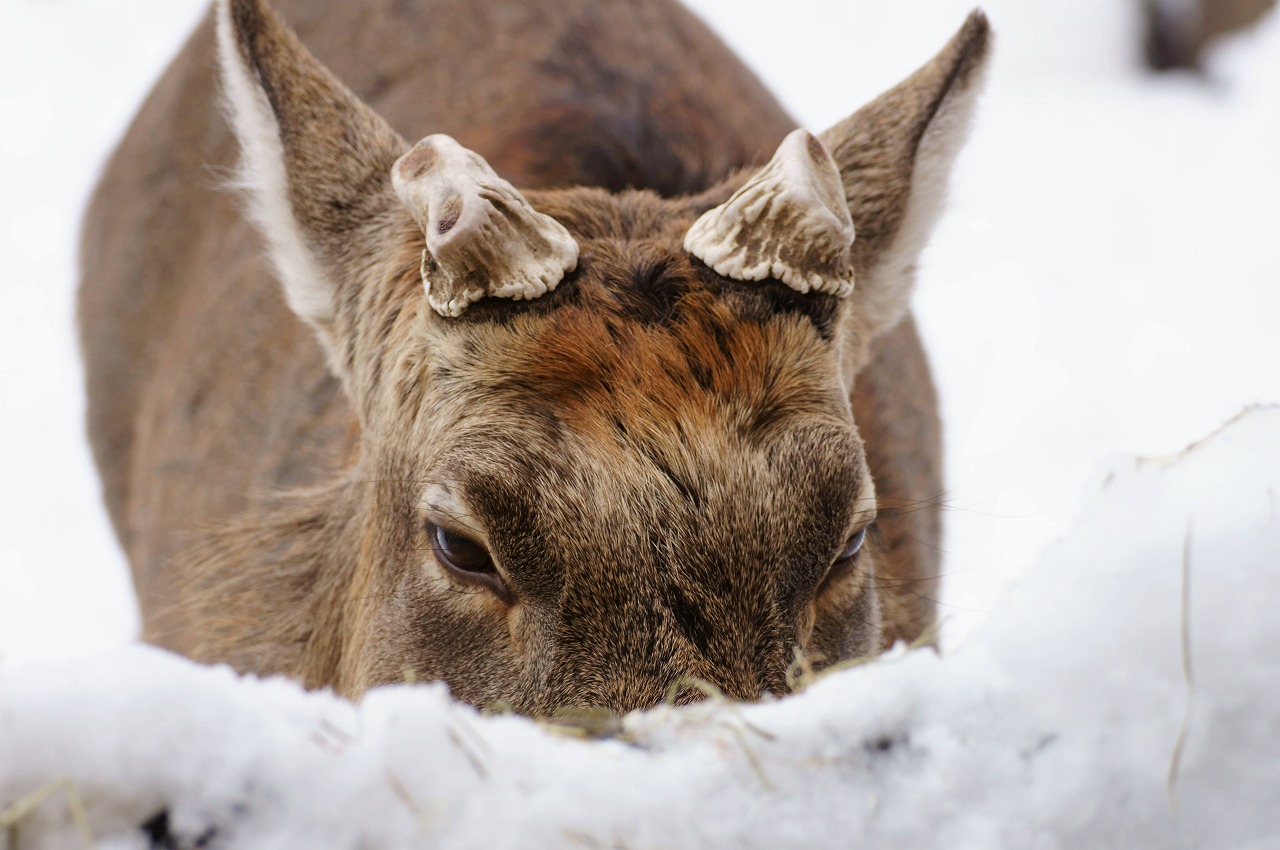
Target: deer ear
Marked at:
894, 156
316, 161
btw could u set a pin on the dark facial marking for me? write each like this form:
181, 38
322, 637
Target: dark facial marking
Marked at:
654, 292
686, 489
503, 311
688, 618
761, 300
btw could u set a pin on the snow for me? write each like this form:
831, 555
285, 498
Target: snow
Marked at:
1055, 725
1105, 284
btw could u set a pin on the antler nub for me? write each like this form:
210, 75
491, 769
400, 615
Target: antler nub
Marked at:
483, 237
789, 221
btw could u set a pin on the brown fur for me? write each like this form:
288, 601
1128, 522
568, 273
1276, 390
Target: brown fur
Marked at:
663, 462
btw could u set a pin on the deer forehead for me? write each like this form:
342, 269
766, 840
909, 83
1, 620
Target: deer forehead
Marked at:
659, 360
560, 502
634, 457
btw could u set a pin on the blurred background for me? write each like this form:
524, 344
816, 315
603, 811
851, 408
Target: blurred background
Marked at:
1106, 281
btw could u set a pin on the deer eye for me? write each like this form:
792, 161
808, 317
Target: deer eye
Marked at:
461, 553
467, 559
851, 546
843, 563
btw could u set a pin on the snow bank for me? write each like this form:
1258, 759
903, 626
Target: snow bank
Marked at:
1055, 725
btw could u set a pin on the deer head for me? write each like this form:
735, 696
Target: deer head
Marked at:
609, 434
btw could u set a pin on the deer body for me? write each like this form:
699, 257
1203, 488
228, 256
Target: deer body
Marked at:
280, 485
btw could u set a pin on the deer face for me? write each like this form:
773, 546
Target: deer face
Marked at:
651, 475
609, 436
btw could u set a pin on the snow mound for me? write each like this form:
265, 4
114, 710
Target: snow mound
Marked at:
1124, 695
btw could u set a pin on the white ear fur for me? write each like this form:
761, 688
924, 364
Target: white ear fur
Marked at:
886, 297
263, 178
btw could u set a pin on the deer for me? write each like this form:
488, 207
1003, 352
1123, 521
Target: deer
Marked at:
656, 421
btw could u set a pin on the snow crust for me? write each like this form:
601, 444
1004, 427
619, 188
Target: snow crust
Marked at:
1055, 726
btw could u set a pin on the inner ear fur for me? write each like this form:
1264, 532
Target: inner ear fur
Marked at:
895, 156
315, 161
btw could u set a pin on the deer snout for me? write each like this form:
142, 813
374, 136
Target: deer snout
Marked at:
660, 666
